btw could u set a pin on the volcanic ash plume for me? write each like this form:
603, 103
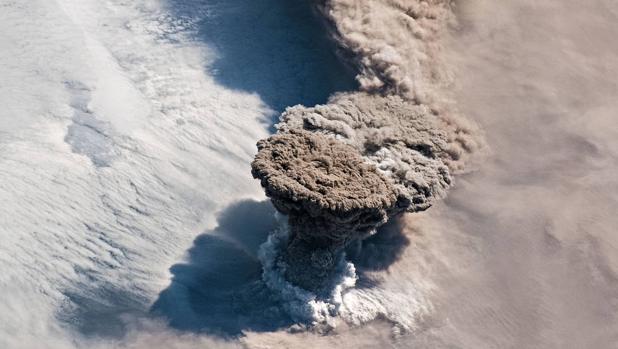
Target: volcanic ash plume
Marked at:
340, 170
330, 195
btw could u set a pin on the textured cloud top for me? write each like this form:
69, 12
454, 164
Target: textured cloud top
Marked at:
402, 139
309, 174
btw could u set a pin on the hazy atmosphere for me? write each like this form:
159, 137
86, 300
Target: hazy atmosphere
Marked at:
308, 174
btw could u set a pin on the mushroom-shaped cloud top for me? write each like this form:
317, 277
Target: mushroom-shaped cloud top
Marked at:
324, 182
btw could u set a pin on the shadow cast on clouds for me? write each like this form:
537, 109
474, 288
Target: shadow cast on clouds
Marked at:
381, 250
275, 48
378, 252
219, 289
278, 50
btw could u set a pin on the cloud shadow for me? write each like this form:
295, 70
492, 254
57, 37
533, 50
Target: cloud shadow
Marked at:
219, 290
378, 252
276, 48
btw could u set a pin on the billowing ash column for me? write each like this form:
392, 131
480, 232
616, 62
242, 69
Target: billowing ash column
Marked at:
341, 169
330, 194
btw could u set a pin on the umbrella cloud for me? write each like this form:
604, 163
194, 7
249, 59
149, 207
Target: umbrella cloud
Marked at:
342, 169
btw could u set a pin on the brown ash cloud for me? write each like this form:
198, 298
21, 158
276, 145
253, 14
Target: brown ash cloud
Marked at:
330, 195
342, 169
403, 140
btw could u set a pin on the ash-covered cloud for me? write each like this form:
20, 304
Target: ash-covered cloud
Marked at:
340, 170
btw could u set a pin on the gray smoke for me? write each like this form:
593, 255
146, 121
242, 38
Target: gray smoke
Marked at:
340, 170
